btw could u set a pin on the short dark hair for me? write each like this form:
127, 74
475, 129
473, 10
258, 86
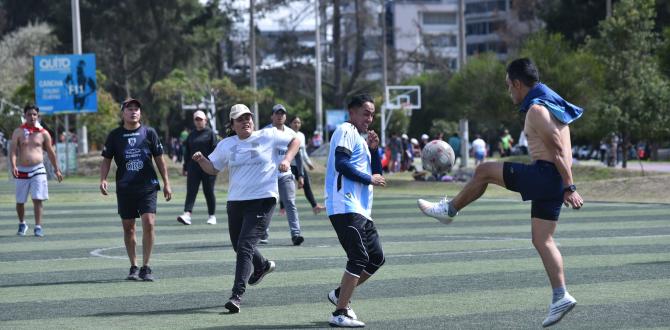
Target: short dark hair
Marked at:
523, 70
357, 101
29, 107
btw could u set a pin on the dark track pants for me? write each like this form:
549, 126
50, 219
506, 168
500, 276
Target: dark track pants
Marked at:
194, 177
247, 222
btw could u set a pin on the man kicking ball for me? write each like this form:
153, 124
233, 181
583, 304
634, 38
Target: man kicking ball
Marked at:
547, 182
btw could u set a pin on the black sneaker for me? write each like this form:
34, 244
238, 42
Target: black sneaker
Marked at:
145, 274
297, 240
233, 304
134, 274
257, 276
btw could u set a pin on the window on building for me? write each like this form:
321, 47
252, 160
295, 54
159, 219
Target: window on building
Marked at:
440, 40
482, 7
439, 18
484, 27
483, 47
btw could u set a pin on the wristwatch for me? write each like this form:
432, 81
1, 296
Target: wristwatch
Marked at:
570, 188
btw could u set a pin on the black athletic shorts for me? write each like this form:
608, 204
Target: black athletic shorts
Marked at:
133, 203
360, 240
539, 182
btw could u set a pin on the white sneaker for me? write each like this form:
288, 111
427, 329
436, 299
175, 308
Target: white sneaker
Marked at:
345, 321
439, 210
185, 218
211, 220
558, 309
333, 300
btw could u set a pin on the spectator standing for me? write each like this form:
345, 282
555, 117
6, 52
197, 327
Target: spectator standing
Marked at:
479, 149
204, 140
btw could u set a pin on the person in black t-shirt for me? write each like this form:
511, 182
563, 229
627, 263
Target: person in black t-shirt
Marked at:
204, 140
132, 146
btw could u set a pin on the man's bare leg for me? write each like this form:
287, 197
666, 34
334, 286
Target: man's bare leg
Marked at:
349, 282
38, 208
20, 211
485, 173
148, 236
129, 240
543, 240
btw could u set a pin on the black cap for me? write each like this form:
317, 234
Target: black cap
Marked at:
129, 101
278, 107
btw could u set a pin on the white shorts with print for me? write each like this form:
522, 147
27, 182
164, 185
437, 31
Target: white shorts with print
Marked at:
32, 179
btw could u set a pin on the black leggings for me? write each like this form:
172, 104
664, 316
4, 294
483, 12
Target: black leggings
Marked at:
307, 187
247, 222
194, 176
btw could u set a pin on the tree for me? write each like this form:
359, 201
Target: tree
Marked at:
574, 19
16, 54
575, 74
16, 68
137, 42
477, 92
635, 92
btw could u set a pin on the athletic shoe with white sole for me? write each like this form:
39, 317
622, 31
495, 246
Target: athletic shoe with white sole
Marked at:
257, 276
185, 218
342, 319
332, 297
133, 274
145, 274
439, 210
211, 220
38, 232
233, 304
559, 309
23, 228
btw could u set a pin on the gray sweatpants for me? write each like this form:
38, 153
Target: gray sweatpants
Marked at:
286, 185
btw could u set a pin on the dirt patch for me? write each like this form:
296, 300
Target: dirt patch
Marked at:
640, 189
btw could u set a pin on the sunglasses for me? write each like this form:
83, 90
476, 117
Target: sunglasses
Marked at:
199, 119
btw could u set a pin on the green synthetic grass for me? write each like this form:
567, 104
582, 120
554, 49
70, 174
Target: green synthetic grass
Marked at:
481, 272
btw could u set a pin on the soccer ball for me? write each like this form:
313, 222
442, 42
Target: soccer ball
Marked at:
437, 157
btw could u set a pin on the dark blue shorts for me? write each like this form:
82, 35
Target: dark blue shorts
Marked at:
538, 182
133, 203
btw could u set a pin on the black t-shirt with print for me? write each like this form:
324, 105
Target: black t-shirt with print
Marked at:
132, 151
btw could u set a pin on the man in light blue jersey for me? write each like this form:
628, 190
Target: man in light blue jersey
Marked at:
353, 168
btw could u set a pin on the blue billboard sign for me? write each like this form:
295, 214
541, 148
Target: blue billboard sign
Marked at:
335, 117
65, 83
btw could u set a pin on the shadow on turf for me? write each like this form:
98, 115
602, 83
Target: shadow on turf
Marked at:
63, 283
311, 325
652, 263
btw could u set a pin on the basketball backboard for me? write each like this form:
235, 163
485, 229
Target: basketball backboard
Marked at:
403, 97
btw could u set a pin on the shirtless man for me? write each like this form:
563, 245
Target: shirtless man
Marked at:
28, 143
547, 182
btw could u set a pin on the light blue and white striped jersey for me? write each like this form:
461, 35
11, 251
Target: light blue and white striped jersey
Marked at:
344, 195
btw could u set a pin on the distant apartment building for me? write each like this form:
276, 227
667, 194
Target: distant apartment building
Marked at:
422, 35
425, 32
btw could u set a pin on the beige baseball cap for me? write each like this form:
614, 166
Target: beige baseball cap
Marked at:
199, 114
237, 110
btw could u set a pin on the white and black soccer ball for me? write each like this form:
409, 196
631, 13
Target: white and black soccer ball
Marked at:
437, 157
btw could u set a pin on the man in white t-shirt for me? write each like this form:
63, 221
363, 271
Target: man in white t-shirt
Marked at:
479, 149
285, 180
354, 166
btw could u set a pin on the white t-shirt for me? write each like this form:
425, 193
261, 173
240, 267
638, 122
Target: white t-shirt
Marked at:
280, 152
479, 146
303, 151
252, 166
344, 195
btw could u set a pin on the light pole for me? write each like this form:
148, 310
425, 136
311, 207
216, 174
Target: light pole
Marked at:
252, 55
384, 75
318, 111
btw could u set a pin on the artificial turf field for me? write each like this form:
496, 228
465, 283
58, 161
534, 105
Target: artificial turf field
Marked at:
481, 272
